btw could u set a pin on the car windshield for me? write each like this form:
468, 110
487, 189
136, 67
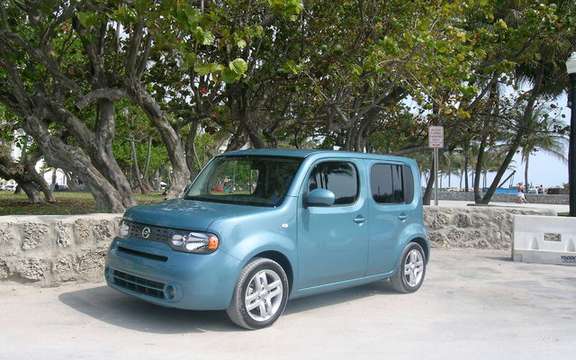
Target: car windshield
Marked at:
245, 180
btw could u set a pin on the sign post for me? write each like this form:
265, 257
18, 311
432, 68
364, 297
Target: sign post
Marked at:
436, 141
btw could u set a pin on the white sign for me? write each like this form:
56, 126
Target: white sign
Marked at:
436, 137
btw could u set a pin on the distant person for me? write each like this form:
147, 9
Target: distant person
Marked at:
541, 189
521, 195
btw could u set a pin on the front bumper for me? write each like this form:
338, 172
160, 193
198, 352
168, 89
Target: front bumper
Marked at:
153, 272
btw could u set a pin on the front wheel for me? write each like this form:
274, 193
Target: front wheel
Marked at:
260, 295
411, 270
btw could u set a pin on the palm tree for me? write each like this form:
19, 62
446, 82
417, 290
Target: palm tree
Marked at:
542, 135
452, 161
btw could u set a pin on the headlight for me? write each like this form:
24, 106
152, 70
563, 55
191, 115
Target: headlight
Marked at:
195, 242
123, 229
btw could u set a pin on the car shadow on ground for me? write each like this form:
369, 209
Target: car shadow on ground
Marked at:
112, 307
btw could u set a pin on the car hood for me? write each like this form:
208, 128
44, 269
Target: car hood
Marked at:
186, 214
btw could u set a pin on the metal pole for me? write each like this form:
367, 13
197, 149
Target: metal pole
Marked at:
572, 147
436, 176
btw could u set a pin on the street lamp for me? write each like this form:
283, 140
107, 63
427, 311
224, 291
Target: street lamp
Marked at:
571, 68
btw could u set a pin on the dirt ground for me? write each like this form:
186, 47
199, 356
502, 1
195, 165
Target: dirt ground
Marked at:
475, 304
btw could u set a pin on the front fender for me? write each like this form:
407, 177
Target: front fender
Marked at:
248, 248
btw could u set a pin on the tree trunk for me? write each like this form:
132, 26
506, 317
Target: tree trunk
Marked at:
26, 176
180, 176
466, 163
31, 192
449, 173
478, 171
72, 181
192, 160
429, 183
53, 185
136, 167
237, 140
526, 183
104, 158
73, 159
146, 175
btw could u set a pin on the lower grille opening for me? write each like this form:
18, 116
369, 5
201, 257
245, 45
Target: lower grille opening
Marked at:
142, 254
139, 284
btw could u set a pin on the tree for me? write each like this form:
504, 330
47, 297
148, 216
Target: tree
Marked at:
56, 67
542, 37
544, 134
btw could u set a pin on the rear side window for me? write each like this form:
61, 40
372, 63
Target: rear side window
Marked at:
337, 176
391, 184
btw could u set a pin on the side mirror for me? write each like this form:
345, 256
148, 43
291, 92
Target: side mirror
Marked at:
320, 197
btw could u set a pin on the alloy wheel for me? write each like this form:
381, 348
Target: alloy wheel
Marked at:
414, 268
264, 295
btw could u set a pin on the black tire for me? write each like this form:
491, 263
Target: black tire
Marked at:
237, 311
399, 280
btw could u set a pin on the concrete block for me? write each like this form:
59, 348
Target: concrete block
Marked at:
33, 235
545, 240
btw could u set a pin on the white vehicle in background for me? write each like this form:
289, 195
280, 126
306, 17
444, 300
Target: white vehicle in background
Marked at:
8, 187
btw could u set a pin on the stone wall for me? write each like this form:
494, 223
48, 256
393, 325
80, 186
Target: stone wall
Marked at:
480, 227
50, 250
560, 199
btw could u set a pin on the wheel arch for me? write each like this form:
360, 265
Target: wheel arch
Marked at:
281, 259
424, 244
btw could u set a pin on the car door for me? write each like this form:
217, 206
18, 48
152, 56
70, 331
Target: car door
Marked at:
333, 243
391, 209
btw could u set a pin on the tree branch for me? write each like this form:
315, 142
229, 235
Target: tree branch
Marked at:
106, 93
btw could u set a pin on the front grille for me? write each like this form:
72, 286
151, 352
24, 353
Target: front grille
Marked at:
139, 284
157, 233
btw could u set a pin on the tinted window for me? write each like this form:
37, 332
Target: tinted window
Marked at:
391, 184
337, 176
246, 180
408, 184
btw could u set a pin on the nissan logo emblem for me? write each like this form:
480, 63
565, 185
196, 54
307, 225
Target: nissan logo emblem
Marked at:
146, 232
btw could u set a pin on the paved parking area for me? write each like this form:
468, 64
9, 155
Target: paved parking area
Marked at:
474, 305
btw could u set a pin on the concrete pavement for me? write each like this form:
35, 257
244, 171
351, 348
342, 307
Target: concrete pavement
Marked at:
475, 304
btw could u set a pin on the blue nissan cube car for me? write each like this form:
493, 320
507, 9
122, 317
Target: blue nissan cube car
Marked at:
259, 227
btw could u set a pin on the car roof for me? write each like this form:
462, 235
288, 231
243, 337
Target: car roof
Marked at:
304, 153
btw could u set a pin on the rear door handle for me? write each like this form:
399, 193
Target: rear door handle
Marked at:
402, 217
359, 219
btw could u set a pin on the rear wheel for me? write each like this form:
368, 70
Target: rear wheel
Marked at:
260, 295
411, 270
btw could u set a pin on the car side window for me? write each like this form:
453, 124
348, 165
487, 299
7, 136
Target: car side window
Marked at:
391, 184
340, 177
408, 179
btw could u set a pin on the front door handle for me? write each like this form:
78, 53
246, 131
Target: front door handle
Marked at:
402, 217
359, 219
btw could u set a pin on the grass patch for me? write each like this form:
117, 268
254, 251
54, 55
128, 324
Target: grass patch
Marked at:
67, 203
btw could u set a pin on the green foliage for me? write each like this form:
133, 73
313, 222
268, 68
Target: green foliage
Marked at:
367, 76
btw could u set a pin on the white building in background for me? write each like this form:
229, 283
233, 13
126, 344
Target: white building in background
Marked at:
61, 179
